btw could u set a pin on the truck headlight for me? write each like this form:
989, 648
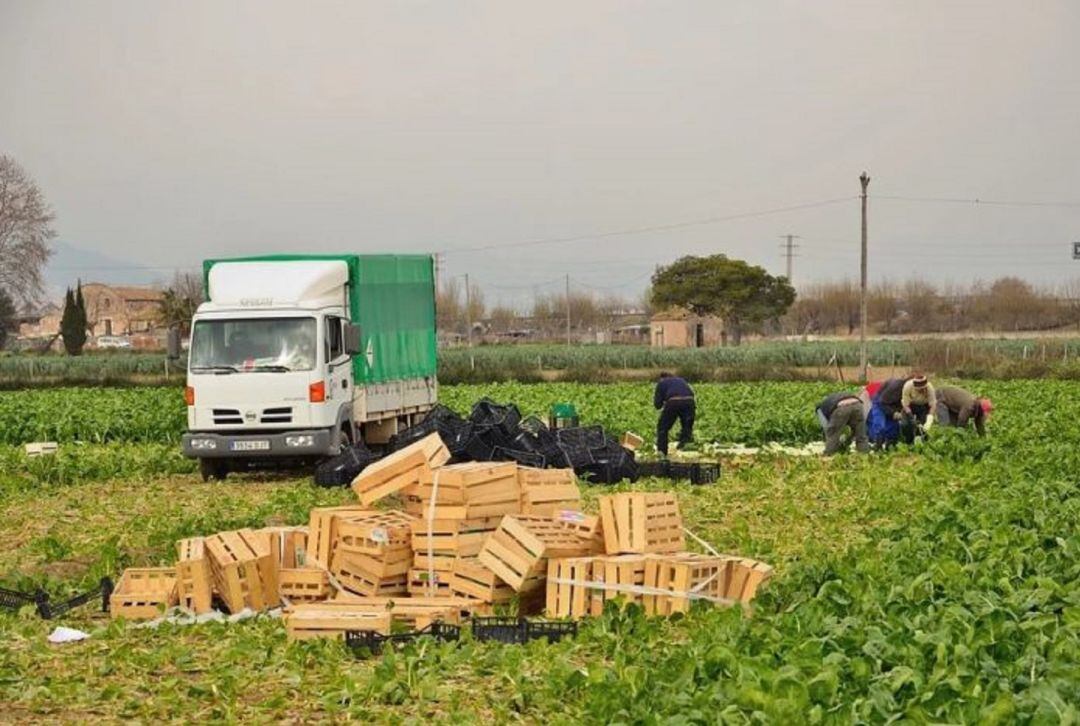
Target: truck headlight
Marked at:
203, 444
298, 440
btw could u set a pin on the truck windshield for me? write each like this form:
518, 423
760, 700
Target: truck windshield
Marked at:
253, 344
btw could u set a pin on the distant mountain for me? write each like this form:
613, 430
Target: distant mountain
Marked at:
69, 264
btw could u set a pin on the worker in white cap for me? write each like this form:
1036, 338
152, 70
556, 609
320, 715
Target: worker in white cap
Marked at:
918, 402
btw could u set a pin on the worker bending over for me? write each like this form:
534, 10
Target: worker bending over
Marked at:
674, 399
918, 402
838, 413
958, 407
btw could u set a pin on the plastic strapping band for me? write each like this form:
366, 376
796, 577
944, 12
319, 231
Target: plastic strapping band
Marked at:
708, 547
694, 594
431, 533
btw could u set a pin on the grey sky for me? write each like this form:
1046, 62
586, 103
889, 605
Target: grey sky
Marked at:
164, 132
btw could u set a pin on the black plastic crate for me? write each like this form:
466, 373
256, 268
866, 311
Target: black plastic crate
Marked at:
49, 610
534, 425
610, 465
696, 472
525, 458
343, 468
486, 412
521, 630
550, 630
13, 599
577, 455
587, 436
367, 642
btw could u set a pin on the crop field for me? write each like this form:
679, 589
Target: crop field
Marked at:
937, 583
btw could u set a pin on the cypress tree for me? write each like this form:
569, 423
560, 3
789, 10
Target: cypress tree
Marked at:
73, 323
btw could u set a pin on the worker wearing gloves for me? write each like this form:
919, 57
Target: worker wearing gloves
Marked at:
918, 403
674, 399
958, 407
840, 412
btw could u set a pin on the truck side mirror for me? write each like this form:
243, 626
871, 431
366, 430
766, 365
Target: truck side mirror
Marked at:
172, 343
352, 339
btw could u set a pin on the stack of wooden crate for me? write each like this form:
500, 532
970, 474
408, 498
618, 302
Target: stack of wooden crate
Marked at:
467, 537
372, 553
646, 563
457, 507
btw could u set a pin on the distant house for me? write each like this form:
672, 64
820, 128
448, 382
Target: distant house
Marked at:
679, 328
110, 310
121, 310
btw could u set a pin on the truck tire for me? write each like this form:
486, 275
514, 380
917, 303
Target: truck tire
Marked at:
213, 469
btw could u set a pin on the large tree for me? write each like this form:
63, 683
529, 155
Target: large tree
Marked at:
25, 230
742, 295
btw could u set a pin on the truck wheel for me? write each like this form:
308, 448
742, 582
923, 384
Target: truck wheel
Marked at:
213, 469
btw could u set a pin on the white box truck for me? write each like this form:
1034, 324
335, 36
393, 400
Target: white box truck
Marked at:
295, 356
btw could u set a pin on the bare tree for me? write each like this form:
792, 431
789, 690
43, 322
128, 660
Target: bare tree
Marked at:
25, 230
182, 298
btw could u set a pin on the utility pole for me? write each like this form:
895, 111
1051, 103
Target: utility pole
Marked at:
789, 251
864, 179
468, 309
568, 309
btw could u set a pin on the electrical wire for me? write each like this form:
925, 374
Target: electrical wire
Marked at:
976, 201
647, 229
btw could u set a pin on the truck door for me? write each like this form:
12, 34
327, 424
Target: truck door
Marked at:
339, 365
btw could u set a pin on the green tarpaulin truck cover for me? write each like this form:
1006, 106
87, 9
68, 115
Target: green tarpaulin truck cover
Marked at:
392, 299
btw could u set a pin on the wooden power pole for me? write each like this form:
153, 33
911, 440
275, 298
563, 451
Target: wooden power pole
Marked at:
568, 342
468, 310
864, 179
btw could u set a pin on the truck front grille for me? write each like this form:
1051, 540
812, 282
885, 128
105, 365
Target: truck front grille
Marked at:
281, 415
227, 416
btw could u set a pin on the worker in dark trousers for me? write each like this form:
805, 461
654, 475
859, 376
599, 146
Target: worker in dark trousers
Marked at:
674, 399
918, 402
959, 407
840, 412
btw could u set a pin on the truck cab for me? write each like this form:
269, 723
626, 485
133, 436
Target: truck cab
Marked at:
281, 367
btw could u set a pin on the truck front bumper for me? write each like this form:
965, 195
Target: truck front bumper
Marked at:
266, 445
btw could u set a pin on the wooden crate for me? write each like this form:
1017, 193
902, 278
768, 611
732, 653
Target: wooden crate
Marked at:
744, 578
322, 530
568, 595
423, 583
461, 538
321, 620
588, 526
303, 584
631, 441
400, 470
470, 578
381, 534
623, 572
546, 492
371, 576
609, 577
288, 545
517, 550
408, 609
683, 574
642, 523
244, 571
194, 582
471, 511
143, 593
472, 482
437, 561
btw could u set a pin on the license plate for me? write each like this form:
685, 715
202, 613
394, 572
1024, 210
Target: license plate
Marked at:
257, 445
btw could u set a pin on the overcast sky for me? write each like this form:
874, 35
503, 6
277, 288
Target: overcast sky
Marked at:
164, 132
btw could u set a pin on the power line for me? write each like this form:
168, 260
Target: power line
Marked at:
976, 201
651, 228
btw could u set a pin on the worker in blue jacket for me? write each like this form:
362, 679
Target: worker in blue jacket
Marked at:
674, 399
